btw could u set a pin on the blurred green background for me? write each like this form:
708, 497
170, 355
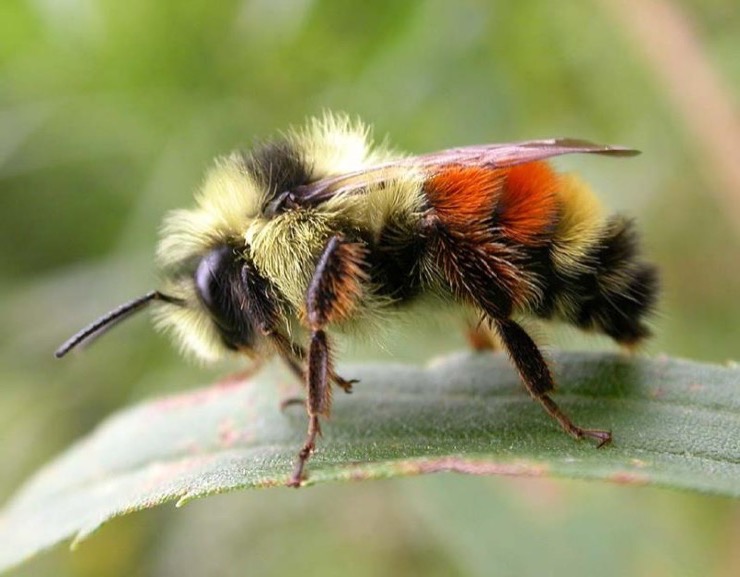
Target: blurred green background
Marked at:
110, 112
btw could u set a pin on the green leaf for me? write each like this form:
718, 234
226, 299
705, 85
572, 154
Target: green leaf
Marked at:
676, 423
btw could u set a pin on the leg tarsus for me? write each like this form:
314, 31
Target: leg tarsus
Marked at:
602, 436
295, 356
538, 380
344, 384
314, 430
317, 403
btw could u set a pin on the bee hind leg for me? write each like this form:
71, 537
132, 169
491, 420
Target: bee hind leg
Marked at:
478, 272
538, 380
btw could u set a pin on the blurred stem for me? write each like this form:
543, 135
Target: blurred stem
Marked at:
672, 49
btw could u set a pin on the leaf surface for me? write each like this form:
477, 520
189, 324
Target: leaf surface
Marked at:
675, 423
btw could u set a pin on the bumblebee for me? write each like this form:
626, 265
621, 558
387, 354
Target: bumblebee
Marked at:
320, 232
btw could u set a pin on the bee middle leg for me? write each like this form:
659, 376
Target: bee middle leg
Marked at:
294, 356
332, 295
480, 336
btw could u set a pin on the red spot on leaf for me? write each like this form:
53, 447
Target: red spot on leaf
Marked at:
629, 478
201, 396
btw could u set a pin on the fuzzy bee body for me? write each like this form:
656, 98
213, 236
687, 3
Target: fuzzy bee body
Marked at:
320, 231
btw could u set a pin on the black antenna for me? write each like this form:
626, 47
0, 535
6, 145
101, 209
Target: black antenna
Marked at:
116, 315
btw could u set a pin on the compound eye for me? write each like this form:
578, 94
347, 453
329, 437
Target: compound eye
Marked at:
218, 282
211, 276
215, 280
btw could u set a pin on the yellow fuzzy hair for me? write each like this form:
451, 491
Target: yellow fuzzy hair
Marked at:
580, 226
285, 248
336, 144
190, 325
227, 201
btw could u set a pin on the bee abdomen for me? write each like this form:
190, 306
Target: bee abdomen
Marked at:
610, 289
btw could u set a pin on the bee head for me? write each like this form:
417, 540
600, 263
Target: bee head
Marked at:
221, 296
214, 299
205, 266
208, 308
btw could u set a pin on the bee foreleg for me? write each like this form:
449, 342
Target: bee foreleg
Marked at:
294, 357
332, 296
292, 354
538, 380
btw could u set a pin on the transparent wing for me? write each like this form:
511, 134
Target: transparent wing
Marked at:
485, 155
502, 155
